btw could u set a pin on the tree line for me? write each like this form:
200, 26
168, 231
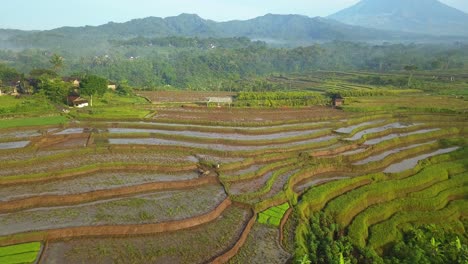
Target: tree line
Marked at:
179, 64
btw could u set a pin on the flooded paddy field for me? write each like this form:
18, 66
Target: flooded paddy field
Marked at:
385, 154
227, 136
75, 161
14, 145
262, 246
195, 245
219, 169
88, 183
142, 209
218, 147
360, 134
412, 162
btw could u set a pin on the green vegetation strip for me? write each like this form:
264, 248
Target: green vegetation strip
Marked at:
273, 215
220, 129
33, 121
268, 185
21, 253
316, 198
229, 142
404, 141
454, 181
260, 172
345, 207
92, 168
387, 231
358, 230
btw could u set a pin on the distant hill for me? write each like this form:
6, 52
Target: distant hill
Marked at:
417, 16
281, 29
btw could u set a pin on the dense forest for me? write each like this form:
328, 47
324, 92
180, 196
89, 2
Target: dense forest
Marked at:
222, 64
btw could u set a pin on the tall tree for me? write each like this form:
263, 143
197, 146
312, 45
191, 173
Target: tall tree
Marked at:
410, 69
57, 62
55, 90
93, 85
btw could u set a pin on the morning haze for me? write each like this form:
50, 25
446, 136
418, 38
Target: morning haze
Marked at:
49, 14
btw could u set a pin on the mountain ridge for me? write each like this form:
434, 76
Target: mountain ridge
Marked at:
413, 16
284, 30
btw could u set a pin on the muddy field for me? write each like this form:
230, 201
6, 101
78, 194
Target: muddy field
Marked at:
93, 158
212, 135
218, 147
182, 96
142, 209
262, 246
184, 164
196, 245
412, 162
91, 182
254, 116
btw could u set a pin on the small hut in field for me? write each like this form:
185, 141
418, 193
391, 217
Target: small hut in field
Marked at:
338, 101
219, 101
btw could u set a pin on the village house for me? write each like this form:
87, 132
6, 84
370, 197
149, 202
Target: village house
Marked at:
77, 101
112, 86
74, 81
338, 101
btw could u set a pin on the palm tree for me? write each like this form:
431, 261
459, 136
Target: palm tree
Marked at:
57, 61
410, 69
304, 260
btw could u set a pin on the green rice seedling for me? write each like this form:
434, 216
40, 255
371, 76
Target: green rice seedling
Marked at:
387, 231
273, 215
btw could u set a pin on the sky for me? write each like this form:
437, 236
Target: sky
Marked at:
49, 14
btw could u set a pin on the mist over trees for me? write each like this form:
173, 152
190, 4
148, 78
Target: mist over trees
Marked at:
207, 64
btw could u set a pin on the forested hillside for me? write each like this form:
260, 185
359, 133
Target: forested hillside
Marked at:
214, 64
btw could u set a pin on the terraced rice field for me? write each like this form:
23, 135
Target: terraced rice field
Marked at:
156, 191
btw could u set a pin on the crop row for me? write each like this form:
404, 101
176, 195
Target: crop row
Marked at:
273, 215
93, 168
260, 172
402, 141
219, 139
21, 253
346, 207
385, 232
267, 186
358, 230
245, 130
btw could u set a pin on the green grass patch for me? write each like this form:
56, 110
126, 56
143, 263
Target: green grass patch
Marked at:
385, 232
358, 230
273, 215
25, 105
21, 253
33, 121
345, 207
110, 112
113, 99
420, 103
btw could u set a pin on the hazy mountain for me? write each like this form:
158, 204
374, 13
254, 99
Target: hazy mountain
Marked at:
302, 28
289, 29
420, 16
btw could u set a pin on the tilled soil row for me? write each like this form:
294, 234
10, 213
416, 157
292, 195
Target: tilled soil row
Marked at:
116, 230
225, 257
283, 222
91, 169
62, 200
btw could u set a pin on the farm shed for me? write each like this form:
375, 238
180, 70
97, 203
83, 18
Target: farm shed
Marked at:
338, 101
77, 101
219, 100
80, 102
